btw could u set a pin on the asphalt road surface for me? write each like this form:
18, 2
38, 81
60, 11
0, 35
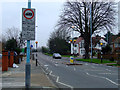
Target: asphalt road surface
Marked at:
87, 75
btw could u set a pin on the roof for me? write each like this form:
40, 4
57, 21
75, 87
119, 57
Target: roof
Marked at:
95, 40
79, 40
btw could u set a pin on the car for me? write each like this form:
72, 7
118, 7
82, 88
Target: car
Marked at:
22, 53
56, 56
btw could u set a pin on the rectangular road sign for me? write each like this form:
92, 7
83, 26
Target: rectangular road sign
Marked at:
28, 24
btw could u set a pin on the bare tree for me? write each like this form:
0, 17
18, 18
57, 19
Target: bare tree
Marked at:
12, 33
78, 14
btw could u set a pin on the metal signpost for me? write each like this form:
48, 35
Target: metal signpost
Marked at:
28, 33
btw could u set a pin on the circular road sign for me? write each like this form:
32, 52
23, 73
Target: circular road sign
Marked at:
28, 14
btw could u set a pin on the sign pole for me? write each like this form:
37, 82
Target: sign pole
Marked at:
28, 66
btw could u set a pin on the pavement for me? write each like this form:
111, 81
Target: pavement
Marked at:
15, 77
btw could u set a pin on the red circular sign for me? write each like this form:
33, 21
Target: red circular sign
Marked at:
24, 14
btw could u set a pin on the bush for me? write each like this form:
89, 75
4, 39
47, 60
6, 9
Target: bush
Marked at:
111, 59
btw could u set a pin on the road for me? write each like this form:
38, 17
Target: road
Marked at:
87, 75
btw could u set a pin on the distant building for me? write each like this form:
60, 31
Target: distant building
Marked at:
115, 44
80, 50
0, 47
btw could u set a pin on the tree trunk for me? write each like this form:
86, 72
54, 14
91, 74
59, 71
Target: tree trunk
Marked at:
87, 44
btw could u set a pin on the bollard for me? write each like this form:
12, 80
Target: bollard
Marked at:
4, 60
71, 60
32, 56
11, 59
36, 59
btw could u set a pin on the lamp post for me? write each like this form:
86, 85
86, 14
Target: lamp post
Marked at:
36, 52
73, 39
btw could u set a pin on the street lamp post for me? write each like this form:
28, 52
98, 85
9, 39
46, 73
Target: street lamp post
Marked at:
73, 39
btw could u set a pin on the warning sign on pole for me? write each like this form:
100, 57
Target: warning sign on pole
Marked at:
28, 24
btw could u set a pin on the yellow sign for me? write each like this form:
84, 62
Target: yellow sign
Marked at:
101, 43
74, 40
71, 60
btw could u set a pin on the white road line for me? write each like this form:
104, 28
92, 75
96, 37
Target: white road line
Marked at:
56, 64
57, 80
47, 68
103, 78
50, 72
86, 64
74, 69
46, 65
108, 70
108, 73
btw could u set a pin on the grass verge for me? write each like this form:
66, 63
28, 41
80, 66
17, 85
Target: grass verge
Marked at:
114, 65
61, 55
96, 61
48, 54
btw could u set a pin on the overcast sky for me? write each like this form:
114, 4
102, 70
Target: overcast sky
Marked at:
47, 15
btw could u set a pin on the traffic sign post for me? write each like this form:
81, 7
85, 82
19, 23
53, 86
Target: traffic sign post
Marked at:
28, 33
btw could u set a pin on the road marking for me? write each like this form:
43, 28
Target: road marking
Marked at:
50, 72
56, 64
46, 65
86, 64
103, 78
57, 80
109, 73
74, 69
66, 65
92, 70
108, 70
47, 68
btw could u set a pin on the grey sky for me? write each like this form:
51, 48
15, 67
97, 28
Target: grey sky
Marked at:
47, 15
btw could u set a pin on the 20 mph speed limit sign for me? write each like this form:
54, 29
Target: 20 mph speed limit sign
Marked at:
28, 24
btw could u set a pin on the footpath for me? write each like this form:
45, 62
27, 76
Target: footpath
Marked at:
15, 77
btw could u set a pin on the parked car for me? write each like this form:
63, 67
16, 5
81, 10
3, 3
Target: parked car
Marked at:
22, 53
56, 56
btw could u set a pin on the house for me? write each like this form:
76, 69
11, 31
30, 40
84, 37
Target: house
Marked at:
115, 44
80, 50
0, 47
